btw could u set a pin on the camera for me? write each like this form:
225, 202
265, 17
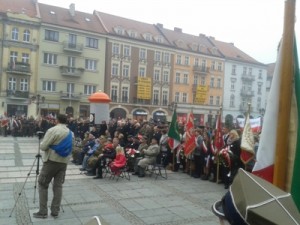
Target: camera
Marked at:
40, 134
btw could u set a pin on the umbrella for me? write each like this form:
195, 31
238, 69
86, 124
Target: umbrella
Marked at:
254, 201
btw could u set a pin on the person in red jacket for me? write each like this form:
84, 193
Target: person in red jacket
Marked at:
119, 162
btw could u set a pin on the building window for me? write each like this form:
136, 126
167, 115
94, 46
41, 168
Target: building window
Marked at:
178, 61
89, 89
71, 64
125, 71
184, 97
202, 81
233, 69
157, 56
26, 36
115, 49
49, 86
177, 78
203, 64
166, 57
91, 42
166, 77
23, 84
25, 57
260, 74
91, 64
51, 35
142, 72
213, 65
13, 56
219, 83
259, 89
232, 86
50, 58
244, 70
176, 99
15, 34
220, 67
185, 78
165, 97
231, 101
142, 54
70, 88
186, 60
114, 93
212, 80
218, 100
155, 97
156, 75
250, 71
125, 94
126, 51
115, 69
211, 100
196, 79
12, 84
196, 62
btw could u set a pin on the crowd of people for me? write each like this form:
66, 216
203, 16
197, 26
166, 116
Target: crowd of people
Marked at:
140, 142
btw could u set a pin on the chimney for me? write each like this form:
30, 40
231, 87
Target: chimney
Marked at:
212, 38
72, 9
176, 29
231, 43
160, 25
202, 35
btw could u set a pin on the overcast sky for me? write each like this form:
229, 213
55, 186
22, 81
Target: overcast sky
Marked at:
254, 26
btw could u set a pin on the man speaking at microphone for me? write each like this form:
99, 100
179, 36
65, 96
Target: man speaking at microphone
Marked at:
57, 146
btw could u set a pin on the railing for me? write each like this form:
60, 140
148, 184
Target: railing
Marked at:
71, 71
201, 69
246, 93
18, 68
17, 94
73, 47
248, 77
69, 96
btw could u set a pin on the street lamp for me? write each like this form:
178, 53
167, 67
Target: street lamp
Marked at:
38, 99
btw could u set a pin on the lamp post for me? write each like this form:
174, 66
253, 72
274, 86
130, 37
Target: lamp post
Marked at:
38, 99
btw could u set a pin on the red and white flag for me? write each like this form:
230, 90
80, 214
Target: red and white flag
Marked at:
218, 141
247, 144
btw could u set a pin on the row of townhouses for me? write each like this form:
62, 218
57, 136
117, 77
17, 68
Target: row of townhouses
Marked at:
52, 59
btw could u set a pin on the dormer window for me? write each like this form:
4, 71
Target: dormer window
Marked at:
147, 37
132, 33
119, 30
159, 39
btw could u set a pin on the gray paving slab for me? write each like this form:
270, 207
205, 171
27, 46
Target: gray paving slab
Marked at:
141, 201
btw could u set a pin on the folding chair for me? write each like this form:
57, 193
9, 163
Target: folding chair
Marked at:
124, 173
158, 168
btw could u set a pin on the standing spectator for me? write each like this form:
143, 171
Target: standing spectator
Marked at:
57, 146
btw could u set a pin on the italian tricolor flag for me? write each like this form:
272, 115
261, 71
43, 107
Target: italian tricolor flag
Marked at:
278, 156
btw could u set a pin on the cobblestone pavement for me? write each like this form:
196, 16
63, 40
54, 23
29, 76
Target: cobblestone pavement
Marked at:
178, 200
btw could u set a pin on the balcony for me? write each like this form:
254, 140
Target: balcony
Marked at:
245, 93
71, 71
19, 68
70, 47
142, 101
247, 77
201, 70
70, 96
17, 94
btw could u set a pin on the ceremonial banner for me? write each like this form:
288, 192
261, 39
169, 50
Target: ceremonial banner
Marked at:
190, 143
247, 144
173, 134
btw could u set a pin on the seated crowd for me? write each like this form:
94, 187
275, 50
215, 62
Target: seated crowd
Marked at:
136, 145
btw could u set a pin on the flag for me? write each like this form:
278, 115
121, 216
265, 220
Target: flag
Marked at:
218, 141
247, 144
254, 123
190, 143
272, 154
173, 134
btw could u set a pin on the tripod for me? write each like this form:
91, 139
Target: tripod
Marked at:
37, 172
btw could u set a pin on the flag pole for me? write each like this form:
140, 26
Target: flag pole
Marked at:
218, 158
286, 79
